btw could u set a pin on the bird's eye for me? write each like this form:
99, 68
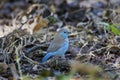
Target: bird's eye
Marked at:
65, 32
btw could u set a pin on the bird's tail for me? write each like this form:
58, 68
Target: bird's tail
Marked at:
48, 55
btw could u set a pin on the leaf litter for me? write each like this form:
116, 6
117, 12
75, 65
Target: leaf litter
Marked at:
27, 30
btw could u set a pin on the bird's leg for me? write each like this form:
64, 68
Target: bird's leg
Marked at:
59, 57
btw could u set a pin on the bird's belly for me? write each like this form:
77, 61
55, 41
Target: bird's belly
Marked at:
62, 50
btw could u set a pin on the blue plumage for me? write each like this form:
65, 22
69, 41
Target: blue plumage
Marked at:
47, 56
58, 46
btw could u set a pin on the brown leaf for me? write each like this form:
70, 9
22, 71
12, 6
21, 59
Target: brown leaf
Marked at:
41, 23
3, 67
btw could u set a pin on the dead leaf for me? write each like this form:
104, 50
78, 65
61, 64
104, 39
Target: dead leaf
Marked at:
3, 67
41, 23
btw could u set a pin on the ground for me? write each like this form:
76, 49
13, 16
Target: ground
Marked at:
27, 27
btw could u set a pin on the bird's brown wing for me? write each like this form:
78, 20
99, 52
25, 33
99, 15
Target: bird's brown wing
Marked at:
56, 43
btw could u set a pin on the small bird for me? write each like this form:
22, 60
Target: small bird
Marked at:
58, 46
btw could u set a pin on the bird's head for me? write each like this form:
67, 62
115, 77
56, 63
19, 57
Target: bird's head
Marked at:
64, 33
